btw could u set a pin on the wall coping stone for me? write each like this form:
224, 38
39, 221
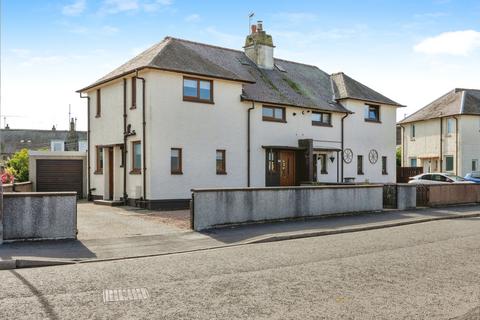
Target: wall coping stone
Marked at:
38, 194
288, 188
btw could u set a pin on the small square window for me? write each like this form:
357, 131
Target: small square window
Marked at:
176, 161
413, 162
372, 113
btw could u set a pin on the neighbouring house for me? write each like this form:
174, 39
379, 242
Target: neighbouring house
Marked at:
13, 140
185, 115
444, 136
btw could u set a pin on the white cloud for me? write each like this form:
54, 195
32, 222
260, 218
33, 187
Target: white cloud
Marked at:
120, 6
192, 18
295, 17
116, 6
109, 30
75, 8
21, 53
459, 43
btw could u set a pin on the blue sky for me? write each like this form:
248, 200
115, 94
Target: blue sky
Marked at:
411, 51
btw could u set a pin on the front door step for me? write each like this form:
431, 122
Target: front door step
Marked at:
111, 203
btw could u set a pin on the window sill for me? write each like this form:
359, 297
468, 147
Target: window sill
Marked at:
97, 116
98, 172
385, 173
221, 173
133, 107
323, 172
176, 172
373, 121
319, 124
136, 171
273, 120
360, 173
198, 100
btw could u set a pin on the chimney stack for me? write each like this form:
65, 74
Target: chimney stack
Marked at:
259, 47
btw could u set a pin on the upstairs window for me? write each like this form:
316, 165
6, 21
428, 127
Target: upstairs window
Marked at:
99, 104
450, 125
221, 163
176, 161
136, 157
197, 90
321, 119
276, 114
372, 113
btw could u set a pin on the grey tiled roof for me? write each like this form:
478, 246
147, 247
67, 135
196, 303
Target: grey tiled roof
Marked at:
289, 83
455, 102
13, 140
348, 88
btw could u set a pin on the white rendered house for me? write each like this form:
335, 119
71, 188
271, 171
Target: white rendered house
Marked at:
444, 136
185, 115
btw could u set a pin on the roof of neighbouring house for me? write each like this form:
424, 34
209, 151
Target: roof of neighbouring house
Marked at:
13, 140
289, 83
456, 102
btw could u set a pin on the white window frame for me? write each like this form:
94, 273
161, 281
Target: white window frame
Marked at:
54, 142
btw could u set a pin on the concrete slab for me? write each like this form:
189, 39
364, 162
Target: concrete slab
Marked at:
105, 222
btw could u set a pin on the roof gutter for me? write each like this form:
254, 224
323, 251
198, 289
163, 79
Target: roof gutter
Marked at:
89, 191
135, 71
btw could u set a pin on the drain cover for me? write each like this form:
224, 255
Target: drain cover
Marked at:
114, 295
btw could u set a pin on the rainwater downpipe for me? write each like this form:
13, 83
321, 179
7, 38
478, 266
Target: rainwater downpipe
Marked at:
144, 123
125, 135
441, 144
89, 192
342, 141
456, 145
248, 142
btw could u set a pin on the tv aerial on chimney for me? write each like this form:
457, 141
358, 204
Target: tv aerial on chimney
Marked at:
250, 16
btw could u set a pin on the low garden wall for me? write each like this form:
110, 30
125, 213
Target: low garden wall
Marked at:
39, 215
454, 193
18, 187
217, 207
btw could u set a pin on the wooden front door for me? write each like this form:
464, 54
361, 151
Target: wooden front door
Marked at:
287, 168
110, 173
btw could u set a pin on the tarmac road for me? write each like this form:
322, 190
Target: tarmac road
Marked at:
421, 271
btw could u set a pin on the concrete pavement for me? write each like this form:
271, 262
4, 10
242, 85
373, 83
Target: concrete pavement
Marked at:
419, 271
175, 240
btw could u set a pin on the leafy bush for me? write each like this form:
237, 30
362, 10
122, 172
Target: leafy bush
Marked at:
18, 165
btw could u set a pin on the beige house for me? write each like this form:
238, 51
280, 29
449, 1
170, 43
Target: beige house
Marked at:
444, 136
185, 115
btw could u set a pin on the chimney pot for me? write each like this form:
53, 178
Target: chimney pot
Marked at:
254, 28
260, 25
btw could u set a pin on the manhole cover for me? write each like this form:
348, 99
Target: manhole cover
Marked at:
114, 295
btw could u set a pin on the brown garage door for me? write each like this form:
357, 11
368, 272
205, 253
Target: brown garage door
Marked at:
59, 175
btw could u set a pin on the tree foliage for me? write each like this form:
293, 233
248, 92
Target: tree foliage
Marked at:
18, 165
